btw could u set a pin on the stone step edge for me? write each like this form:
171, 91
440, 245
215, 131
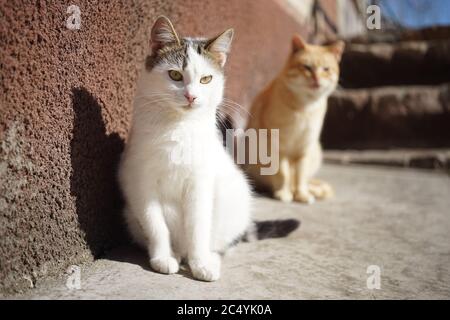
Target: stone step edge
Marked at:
392, 88
436, 159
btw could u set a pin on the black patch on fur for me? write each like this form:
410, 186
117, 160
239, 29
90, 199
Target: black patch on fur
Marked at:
223, 126
174, 53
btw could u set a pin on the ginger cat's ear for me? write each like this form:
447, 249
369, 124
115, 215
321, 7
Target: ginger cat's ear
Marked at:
163, 33
298, 43
220, 46
337, 49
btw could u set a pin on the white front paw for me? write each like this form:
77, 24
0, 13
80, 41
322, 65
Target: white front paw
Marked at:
283, 195
207, 268
166, 265
304, 197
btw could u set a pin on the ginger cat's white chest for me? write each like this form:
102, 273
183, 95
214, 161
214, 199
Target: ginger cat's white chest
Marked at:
301, 128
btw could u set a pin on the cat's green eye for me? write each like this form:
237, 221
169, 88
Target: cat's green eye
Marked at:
206, 79
175, 75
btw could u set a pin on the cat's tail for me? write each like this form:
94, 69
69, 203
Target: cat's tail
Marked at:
260, 230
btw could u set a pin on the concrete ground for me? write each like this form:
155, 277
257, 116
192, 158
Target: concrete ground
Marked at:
397, 219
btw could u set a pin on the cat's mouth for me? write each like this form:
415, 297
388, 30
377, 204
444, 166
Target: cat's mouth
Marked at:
190, 106
314, 86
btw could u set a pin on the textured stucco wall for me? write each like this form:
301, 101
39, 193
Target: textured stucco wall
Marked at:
65, 100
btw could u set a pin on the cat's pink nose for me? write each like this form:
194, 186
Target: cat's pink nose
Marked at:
189, 97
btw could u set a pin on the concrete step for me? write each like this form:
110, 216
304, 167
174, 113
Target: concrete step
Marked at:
402, 63
394, 219
438, 159
388, 117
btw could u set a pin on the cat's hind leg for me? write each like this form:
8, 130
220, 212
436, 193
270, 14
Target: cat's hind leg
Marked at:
232, 211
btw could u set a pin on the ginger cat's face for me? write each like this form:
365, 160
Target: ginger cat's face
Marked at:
313, 70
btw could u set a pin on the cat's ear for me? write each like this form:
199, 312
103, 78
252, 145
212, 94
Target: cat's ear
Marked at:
163, 33
298, 43
337, 49
220, 46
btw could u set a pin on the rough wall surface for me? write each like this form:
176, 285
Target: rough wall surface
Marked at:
65, 98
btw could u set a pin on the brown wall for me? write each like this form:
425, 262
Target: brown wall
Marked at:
65, 109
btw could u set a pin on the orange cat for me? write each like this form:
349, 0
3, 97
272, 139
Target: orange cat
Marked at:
295, 102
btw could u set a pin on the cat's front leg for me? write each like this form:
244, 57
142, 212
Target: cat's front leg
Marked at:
155, 229
302, 175
283, 190
204, 264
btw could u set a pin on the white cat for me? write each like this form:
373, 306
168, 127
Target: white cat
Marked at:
185, 198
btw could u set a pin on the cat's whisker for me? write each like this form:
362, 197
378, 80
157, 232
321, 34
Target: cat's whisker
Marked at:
153, 93
236, 110
222, 122
231, 118
230, 106
225, 118
143, 97
222, 114
232, 121
154, 101
235, 105
227, 115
